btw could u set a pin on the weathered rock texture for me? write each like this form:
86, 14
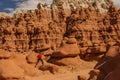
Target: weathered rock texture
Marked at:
94, 24
65, 31
3, 15
9, 70
100, 5
108, 68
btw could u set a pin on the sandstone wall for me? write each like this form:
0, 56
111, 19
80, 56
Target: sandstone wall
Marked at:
50, 24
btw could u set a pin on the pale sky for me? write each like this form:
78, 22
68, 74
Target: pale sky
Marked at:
10, 6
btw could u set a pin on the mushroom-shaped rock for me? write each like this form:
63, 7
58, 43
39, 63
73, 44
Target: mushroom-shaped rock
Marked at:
66, 61
67, 50
71, 41
32, 58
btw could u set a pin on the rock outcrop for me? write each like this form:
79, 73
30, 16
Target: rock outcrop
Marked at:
66, 31
68, 49
4, 54
108, 67
9, 70
3, 15
67, 61
94, 24
100, 5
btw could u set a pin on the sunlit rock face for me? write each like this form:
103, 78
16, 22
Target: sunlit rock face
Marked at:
95, 24
101, 5
67, 31
3, 15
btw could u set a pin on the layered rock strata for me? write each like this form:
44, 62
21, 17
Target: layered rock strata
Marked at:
93, 27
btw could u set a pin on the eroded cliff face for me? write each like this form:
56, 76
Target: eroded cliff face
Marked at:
49, 26
95, 32
65, 32
100, 5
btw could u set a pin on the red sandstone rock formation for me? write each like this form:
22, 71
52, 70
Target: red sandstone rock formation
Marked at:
33, 29
108, 66
63, 31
